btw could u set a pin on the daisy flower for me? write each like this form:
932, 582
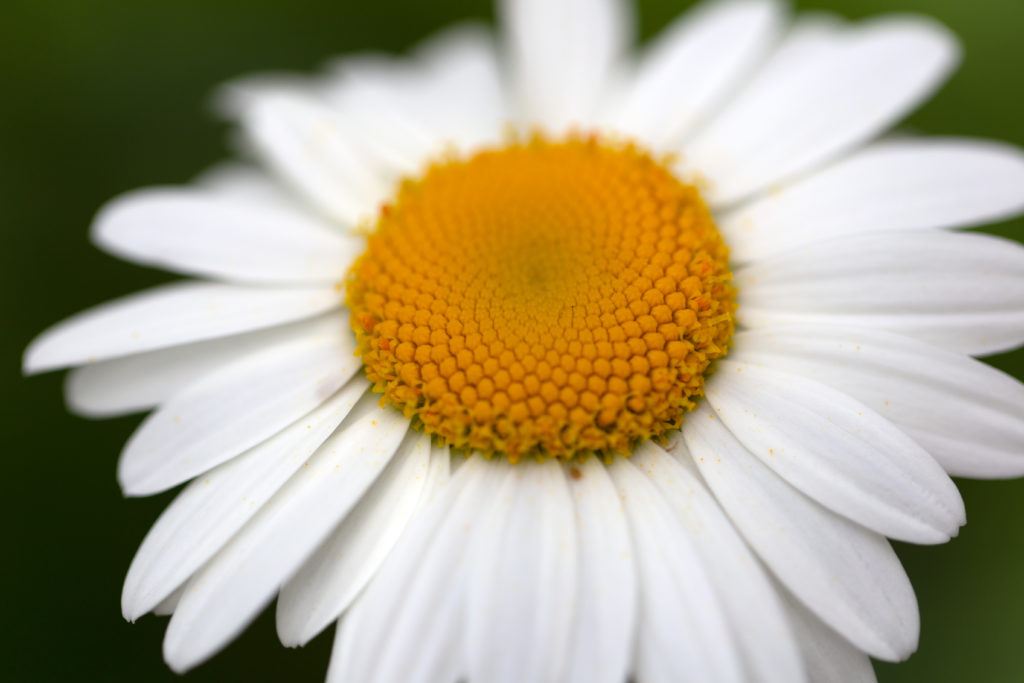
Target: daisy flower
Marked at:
527, 357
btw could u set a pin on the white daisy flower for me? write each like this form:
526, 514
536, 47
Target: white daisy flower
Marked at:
454, 291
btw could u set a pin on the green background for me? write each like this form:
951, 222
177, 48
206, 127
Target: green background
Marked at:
101, 96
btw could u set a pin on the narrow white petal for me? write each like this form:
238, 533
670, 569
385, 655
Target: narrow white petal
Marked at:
381, 101
837, 451
682, 634
449, 95
438, 476
462, 94
310, 147
233, 98
330, 580
798, 113
239, 581
408, 624
963, 292
170, 315
967, 414
845, 574
144, 380
167, 606
601, 649
693, 64
195, 232
561, 56
234, 409
245, 183
212, 508
829, 657
892, 185
752, 607
522, 579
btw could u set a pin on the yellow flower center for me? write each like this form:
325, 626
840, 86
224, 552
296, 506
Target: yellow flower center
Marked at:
549, 299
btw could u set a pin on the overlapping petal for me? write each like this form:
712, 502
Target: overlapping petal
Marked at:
827, 90
963, 292
233, 409
171, 315
199, 233
976, 428
848, 576
213, 508
332, 578
894, 185
238, 582
692, 66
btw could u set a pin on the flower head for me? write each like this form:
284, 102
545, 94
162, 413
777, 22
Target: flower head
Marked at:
530, 361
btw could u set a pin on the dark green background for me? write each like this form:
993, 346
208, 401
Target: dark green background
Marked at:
100, 96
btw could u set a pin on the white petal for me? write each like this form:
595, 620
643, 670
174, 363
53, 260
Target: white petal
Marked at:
224, 596
798, 113
309, 146
682, 632
829, 658
964, 292
211, 509
144, 380
408, 624
410, 112
561, 55
752, 608
243, 183
167, 606
967, 414
845, 574
462, 95
233, 98
196, 232
169, 315
381, 101
891, 185
837, 451
522, 579
601, 649
330, 580
234, 409
693, 64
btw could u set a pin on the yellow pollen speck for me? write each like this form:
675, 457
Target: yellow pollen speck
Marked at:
545, 299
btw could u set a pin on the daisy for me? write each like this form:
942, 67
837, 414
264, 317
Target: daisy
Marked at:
529, 358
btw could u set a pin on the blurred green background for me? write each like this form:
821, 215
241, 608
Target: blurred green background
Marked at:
101, 96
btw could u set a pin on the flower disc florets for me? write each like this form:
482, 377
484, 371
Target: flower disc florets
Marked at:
554, 299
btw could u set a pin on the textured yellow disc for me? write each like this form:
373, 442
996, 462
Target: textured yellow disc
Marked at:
551, 299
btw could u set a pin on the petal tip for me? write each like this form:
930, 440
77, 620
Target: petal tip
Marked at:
134, 486
180, 655
37, 358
